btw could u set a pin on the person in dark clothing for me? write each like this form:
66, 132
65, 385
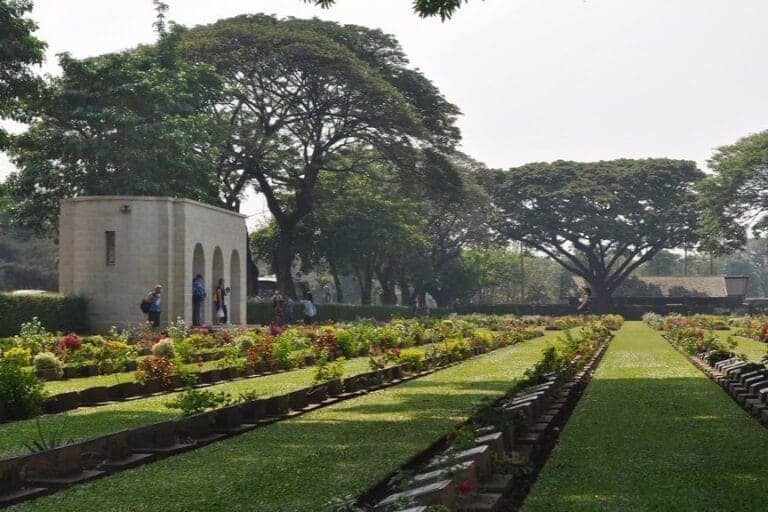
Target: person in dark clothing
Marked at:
198, 298
153, 306
220, 300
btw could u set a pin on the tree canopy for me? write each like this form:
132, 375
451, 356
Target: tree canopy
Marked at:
599, 220
19, 51
300, 94
424, 8
129, 123
735, 199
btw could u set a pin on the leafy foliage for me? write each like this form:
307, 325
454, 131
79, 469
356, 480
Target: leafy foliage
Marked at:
445, 9
601, 220
194, 401
126, 123
20, 51
733, 198
21, 393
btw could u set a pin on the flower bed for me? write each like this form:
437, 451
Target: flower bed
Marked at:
346, 440
262, 351
167, 438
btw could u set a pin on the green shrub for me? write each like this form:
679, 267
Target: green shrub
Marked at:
21, 393
260, 312
194, 401
87, 353
290, 348
48, 361
413, 356
55, 312
244, 342
164, 348
18, 356
326, 370
114, 356
34, 337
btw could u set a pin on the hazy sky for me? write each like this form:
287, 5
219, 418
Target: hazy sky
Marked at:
536, 79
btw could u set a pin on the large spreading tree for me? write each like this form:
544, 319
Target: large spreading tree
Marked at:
128, 123
601, 220
299, 95
20, 50
735, 197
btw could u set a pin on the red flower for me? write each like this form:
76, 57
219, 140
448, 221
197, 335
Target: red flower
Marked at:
465, 487
275, 330
70, 342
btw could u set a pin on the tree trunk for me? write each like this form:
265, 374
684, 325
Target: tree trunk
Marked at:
388, 294
284, 262
251, 270
405, 289
365, 279
600, 299
336, 280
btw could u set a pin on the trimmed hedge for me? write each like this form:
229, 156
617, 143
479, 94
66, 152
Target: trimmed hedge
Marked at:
260, 312
56, 312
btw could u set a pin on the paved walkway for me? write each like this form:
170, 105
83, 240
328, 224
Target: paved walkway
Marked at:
651, 433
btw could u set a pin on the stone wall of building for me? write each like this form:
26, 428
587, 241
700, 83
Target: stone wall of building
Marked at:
155, 240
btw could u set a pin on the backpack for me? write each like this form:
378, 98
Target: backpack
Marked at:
144, 306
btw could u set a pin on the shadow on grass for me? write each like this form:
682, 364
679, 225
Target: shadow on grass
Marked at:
656, 444
298, 464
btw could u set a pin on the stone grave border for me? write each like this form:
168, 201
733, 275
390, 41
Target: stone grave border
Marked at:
541, 409
745, 382
26, 477
97, 396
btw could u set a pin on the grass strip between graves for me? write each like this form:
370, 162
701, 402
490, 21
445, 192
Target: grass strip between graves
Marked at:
753, 349
302, 463
87, 422
652, 433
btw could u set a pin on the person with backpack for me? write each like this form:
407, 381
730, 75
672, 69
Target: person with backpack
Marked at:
310, 311
151, 306
220, 301
198, 299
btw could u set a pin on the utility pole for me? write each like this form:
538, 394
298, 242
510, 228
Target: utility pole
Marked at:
522, 273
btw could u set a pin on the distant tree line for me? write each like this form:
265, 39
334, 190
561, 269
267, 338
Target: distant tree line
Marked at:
355, 153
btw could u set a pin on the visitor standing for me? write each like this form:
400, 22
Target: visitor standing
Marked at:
151, 306
220, 301
310, 310
290, 305
198, 299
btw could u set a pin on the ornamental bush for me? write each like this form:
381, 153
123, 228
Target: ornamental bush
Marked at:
34, 337
159, 369
21, 393
18, 356
45, 361
164, 348
71, 342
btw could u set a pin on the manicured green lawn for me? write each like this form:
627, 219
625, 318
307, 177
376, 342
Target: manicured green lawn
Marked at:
651, 433
90, 422
754, 350
300, 464
93, 421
